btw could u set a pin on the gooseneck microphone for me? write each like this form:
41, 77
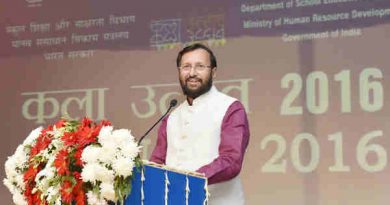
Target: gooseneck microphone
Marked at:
172, 104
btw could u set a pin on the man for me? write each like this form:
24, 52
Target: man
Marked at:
208, 132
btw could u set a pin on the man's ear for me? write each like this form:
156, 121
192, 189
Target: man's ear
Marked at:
214, 73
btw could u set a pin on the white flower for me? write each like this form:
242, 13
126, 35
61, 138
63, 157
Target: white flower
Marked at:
53, 193
107, 191
50, 161
121, 136
58, 201
105, 175
91, 154
95, 200
88, 173
9, 185
19, 199
123, 166
107, 153
57, 133
57, 144
10, 167
130, 150
32, 136
20, 155
44, 177
105, 134
94, 172
46, 154
20, 181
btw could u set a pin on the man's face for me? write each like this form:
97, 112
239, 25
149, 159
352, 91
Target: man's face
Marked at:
197, 78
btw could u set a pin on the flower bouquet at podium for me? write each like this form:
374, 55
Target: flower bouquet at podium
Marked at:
73, 162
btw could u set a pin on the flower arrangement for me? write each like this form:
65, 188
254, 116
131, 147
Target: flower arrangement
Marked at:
73, 162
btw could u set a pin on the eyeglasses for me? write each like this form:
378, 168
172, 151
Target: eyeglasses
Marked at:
197, 67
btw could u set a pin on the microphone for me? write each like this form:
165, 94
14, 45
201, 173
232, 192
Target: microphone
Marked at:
172, 104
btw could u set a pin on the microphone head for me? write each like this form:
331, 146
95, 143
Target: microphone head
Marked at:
173, 103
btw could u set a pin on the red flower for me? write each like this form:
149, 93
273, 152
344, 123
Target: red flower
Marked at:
77, 176
50, 128
96, 130
37, 199
32, 199
77, 156
78, 191
60, 123
62, 162
80, 198
69, 138
66, 192
28, 194
29, 175
86, 136
86, 122
105, 123
42, 143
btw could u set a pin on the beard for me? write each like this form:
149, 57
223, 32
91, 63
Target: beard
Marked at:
204, 87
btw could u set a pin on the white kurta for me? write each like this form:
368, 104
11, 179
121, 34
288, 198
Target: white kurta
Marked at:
193, 135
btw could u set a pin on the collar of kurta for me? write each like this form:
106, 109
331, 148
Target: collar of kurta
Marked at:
201, 99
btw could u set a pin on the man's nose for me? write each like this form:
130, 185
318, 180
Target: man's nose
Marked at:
193, 71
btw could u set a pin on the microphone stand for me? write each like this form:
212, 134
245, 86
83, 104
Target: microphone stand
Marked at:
171, 105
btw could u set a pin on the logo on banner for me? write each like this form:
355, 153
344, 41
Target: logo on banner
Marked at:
209, 29
165, 33
34, 3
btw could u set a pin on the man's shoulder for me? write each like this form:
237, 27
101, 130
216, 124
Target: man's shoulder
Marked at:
237, 105
225, 98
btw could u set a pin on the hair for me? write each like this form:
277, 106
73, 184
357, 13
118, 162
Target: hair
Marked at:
213, 60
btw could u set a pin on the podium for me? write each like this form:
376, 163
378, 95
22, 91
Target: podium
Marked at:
158, 185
